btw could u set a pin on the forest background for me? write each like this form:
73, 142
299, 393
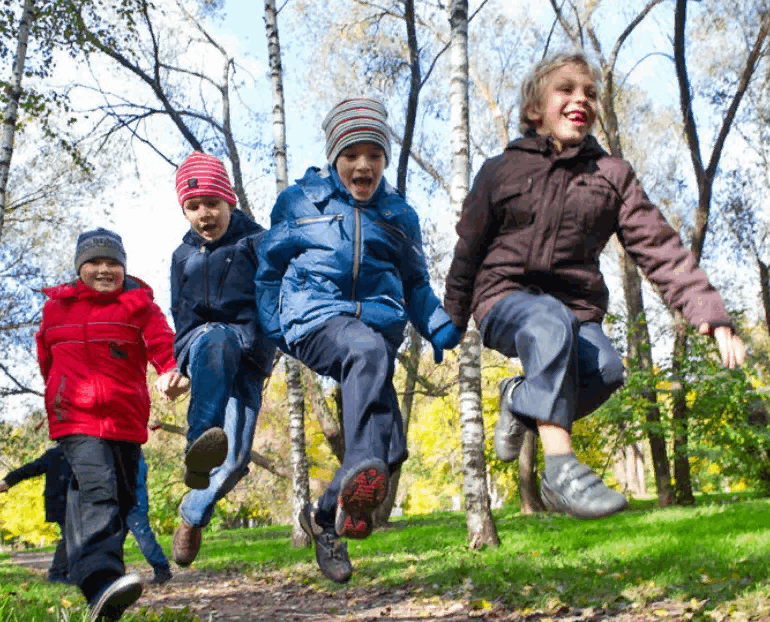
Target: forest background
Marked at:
113, 96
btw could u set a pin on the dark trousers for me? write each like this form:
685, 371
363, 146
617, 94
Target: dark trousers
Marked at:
571, 368
59, 568
362, 361
100, 496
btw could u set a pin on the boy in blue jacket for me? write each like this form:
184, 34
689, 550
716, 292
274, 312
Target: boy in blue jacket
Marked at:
219, 344
344, 258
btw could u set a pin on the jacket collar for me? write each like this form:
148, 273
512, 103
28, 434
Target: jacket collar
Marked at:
319, 184
240, 224
534, 142
78, 289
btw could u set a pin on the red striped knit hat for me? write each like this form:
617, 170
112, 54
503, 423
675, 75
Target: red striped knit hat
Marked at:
203, 175
353, 121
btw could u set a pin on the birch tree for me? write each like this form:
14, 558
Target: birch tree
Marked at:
10, 114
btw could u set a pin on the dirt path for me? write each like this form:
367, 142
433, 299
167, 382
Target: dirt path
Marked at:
231, 596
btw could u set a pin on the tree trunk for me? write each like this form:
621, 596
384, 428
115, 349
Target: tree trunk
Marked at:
478, 513
10, 115
529, 487
764, 283
299, 467
680, 416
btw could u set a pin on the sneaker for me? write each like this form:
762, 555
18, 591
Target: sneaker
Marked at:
330, 553
207, 452
509, 431
579, 492
161, 575
348, 527
362, 491
116, 598
59, 578
185, 544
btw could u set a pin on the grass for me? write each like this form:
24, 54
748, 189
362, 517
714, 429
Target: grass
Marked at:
713, 557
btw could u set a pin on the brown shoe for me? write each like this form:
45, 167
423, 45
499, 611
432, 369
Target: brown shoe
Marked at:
186, 544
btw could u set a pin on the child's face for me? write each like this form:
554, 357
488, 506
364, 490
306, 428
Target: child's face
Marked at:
102, 274
568, 108
209, 217
360, 168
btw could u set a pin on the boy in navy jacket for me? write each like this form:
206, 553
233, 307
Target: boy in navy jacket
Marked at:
219, 344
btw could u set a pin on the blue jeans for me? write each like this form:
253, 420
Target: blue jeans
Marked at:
226, 392
361, 360
570, 368
139, 523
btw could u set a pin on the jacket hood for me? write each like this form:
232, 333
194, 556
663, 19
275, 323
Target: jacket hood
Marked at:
240, 224
77, 289
532, 141
320, 184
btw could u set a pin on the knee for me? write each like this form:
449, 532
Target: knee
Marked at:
368, 346
552, 323
612, 373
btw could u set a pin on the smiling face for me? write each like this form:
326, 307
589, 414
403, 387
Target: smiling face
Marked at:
208, 216
102, 274
567, 110
360, 168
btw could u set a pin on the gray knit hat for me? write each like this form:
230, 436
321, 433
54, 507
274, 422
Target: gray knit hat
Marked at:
353, 121
99, 243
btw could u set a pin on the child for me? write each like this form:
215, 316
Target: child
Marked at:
345, 252
57, 478
527, 266
94, 343
219, 343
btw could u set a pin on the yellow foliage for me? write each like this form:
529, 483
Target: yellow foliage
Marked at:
22, 513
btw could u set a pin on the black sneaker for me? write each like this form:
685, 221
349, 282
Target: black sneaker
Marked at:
509, 431
207, 452
330, 553
116, 598
579, 492
161, 575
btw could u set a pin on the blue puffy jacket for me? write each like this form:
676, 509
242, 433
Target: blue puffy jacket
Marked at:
328, 255
214, 282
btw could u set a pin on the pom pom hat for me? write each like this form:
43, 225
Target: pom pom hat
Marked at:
99, 243
353, 121
203, 175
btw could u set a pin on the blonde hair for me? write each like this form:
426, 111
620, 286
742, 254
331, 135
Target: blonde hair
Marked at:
533, 86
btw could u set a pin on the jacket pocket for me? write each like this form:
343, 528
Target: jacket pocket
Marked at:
58, 397
594, 204
514, 204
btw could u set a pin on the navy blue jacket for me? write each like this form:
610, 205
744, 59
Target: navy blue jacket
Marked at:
328, 255
57, 478
214, 282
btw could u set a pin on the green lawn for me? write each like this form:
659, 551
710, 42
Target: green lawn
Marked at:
713, 557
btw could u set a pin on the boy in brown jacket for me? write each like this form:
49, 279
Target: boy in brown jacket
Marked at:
526, 265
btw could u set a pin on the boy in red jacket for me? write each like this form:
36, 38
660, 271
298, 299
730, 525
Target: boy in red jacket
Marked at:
527, 266
95, 340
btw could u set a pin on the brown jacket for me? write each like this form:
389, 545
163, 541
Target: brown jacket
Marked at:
536, 218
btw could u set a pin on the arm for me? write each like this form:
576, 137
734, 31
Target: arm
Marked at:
43, 355
476, 225
31, 469
159, 342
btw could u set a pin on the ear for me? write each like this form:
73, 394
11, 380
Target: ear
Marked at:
534, 115
232, 207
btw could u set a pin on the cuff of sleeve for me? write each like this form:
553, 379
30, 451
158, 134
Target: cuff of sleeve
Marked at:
437, 321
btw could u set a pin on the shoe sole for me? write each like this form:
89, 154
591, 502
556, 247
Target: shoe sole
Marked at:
206, 453
118, 597
355, 528
518, 429
363, 491
304, 522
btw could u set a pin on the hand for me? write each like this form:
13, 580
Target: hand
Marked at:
172, 384
446, 338
4, 486
731, 346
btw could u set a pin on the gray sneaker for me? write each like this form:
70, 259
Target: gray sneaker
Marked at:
578, 491
330, 553
116, 598
207, 452
509, 431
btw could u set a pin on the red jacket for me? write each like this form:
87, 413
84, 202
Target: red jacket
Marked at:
93, 349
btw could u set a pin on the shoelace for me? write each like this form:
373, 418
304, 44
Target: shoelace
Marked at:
332, 544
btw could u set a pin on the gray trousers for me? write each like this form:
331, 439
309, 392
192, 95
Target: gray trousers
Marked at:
570, 368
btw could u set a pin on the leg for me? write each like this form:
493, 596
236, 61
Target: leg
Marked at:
139, 524
59, 569
198, 505
100, 496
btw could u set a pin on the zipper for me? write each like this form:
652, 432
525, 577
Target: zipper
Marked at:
356, 253
392, 228
58, 397
205, 277
228, 263
313, 219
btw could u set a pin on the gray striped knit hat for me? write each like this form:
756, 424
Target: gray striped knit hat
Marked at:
99, 243
353, 121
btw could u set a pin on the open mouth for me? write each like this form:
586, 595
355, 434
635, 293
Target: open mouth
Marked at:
577, 117
208, 228
362, 184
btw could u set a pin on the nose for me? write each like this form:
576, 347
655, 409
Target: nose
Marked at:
363, 163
